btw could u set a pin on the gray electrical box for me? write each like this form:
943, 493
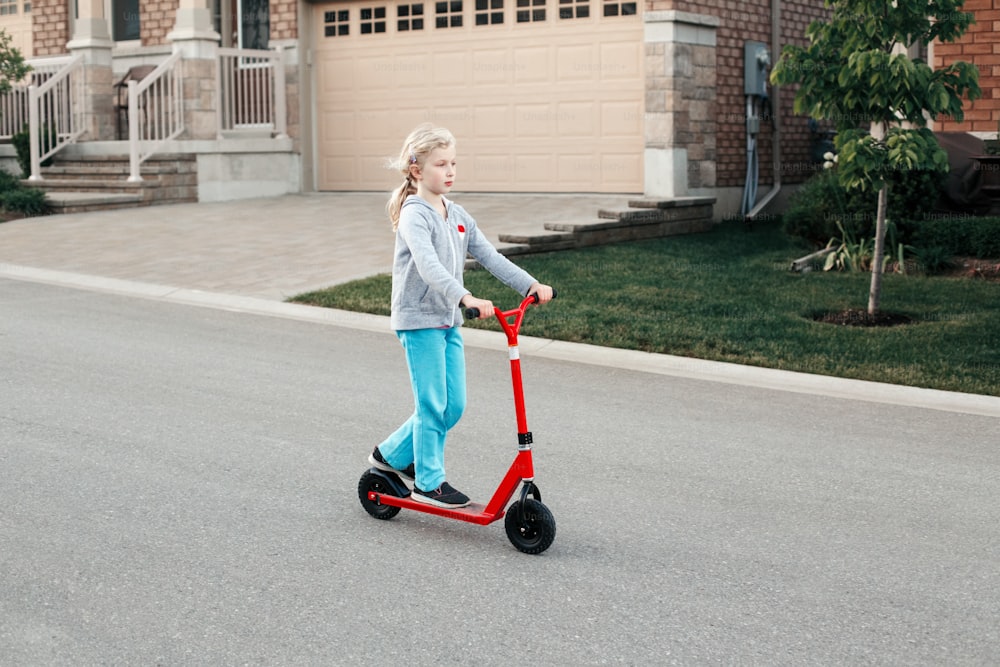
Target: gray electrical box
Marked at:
756, 68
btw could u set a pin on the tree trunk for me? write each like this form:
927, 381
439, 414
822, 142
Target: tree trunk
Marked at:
875, 293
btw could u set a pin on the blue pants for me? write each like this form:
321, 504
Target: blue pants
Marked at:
436, 359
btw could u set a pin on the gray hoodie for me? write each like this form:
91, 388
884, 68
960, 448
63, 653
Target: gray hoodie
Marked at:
427, 282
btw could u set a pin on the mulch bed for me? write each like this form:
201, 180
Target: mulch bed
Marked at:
964, 267
856, 317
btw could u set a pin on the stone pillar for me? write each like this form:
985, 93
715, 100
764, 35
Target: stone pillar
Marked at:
195, 38
92, 40
680, 153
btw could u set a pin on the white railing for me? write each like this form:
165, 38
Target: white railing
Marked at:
251, 85
14, 104
155, 112
55, 113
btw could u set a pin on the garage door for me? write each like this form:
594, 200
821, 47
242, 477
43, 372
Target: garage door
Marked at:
542, 95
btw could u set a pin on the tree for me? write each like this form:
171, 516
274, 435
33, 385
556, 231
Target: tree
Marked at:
857, 73
12, 65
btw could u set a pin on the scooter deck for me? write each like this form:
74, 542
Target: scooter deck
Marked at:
471, 513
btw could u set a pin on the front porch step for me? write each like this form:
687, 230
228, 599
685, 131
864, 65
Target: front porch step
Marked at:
80, 202
644, 219
97, 182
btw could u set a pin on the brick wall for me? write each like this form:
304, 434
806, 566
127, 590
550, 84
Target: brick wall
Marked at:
156, 20
284, 19
50, 27
795, 18
981, 47
742, 21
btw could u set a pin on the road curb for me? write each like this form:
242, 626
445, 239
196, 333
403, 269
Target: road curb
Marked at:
645, 362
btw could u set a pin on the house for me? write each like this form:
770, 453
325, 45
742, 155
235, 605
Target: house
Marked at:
610, 96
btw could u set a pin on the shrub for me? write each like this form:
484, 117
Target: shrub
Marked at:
934, 259
985, 238
8, 182
821, 202
959, 235
815, 210
27, 201
22, 146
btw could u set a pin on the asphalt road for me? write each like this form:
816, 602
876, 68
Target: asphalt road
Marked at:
178, 487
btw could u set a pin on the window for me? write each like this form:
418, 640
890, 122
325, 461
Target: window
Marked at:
574, 9
8, 7
125, 20
410, 17
372, 20
489, 12
529, 11
255, 24
449, 14
619, 8
336, 24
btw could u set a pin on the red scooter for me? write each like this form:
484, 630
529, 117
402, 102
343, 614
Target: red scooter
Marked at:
530, 525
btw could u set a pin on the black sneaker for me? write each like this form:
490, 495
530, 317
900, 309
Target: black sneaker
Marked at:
443, 496
406, 474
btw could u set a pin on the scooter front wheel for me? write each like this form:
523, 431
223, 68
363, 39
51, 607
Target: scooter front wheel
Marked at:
531, 528
372, 482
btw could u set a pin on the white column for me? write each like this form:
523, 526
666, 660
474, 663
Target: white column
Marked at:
198, 43
193, 31
90, 30
92, 39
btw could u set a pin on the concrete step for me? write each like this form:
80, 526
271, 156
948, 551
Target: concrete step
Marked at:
673, 202
648, 212
109, 169
647, 219
121, 186
79, 202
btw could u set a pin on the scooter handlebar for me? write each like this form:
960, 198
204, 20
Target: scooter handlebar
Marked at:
473, 313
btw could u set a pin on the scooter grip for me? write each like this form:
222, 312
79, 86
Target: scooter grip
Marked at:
535, 294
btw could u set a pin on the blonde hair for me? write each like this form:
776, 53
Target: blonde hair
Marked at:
418, 145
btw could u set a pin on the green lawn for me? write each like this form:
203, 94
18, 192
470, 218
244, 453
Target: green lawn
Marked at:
728, 295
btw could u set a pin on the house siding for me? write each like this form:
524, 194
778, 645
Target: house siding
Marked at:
981, 47
156, 20
50, 29
284, 19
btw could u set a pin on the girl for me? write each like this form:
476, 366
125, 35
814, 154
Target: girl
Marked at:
433, 236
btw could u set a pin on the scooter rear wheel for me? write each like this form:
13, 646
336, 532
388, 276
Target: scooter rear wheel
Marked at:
531, 528
371, 482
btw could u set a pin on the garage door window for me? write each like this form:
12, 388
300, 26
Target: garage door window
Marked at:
372, 20
529, 11
335, 24
449, 14
613, 8
574, 9
489, 12
410, 17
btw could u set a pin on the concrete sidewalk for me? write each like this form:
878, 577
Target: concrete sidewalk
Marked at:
269, 248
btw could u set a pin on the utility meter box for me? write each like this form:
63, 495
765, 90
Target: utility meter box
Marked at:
756, 68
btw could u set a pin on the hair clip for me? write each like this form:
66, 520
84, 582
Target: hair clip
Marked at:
413, 158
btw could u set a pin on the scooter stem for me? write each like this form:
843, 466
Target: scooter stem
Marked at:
511, 329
